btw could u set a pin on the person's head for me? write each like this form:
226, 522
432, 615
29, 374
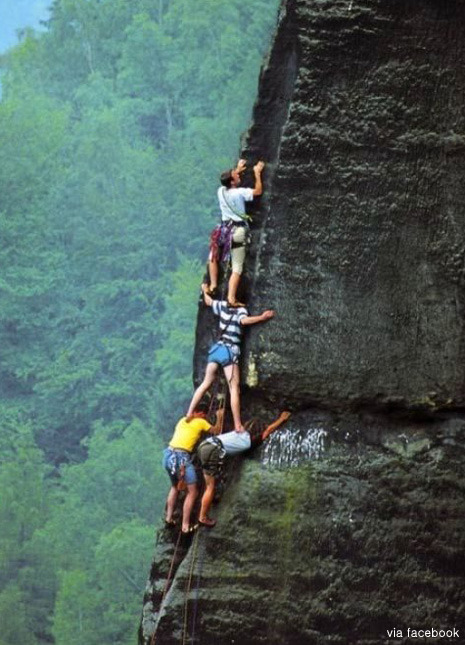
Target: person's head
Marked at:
255, 428
202, 410
230, 178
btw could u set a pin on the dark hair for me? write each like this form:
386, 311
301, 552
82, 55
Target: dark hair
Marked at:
226, 178
255, 428
203, 407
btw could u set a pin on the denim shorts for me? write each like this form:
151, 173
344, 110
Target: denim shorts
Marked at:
223, 354
173, 460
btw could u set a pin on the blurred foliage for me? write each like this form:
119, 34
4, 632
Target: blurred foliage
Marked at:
115, 122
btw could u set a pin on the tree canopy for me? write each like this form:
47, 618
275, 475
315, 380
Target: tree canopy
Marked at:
115, 122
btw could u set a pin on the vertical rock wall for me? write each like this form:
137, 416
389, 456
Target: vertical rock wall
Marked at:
347, 527
361, 251
334, 535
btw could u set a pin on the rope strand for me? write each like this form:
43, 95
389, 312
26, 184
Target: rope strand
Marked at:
188, 587
167, 583
197, 588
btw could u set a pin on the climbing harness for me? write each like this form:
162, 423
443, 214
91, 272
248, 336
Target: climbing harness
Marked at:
212, 454
221, 242
177, 465
244, 216
221, 354
224, 351
176, 460
221, 238
182, 477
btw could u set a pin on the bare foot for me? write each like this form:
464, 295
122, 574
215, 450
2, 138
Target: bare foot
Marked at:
210, 289
235, 303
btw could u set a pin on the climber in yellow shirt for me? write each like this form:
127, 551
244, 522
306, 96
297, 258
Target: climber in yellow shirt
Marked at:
177, 461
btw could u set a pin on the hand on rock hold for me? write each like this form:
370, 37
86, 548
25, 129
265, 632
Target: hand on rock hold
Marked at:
241, 165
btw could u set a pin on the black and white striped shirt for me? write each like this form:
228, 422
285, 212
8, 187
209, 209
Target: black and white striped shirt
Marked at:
230, 326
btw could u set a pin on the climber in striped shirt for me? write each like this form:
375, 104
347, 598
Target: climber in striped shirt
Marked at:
226, 352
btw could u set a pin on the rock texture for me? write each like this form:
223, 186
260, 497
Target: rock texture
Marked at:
362, 237
348, 523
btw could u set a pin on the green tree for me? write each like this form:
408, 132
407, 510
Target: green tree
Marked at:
24, 500
116, 483
16, 627
77, 612
112, 140
173, 360
32, 132
24, 509
121, 569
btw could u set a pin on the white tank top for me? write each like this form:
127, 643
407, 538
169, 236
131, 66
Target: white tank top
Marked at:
235, 442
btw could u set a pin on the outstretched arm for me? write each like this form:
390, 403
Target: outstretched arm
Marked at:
284, 416
257, 169
252, 320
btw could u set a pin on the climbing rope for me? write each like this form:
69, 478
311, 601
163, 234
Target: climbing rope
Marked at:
213, 407
167, 584
197, 588
216, 397
194, 546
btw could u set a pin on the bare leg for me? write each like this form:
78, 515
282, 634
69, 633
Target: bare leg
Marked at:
210, 374
232, 286
207, 498
237, 262
188, 505
171, 503
213, 272
233, 376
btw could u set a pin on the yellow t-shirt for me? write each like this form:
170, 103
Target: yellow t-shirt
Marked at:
187, 433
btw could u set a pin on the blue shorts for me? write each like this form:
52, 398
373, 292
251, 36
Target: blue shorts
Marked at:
223, 354
172, 462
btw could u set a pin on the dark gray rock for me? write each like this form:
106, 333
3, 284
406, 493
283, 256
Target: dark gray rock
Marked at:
343, 535
349, 522
359, 245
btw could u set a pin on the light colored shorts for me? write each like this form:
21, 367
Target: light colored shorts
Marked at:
238, 253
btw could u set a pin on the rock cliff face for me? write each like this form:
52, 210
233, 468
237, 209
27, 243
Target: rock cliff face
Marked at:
348, 523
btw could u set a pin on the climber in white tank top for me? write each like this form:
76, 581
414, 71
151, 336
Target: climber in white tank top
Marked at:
212, 451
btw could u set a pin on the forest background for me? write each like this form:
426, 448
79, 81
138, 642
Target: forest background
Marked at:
115, 121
